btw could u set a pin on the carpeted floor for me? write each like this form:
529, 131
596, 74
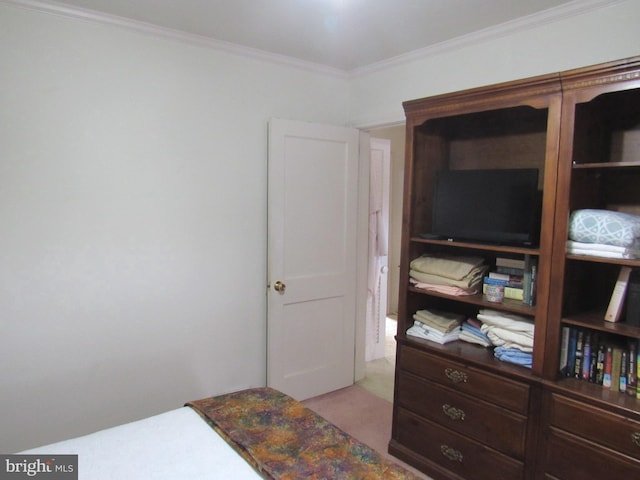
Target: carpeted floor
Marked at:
365, 410
362, 414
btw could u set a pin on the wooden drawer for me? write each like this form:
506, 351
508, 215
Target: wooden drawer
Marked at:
482, 421
608, 429
498, 390
459, 455
569, 457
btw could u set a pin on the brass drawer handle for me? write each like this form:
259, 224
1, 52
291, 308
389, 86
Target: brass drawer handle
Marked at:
635, 438
452, 412
451, 453
456, 376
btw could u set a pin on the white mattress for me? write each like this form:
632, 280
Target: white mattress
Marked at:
177, 444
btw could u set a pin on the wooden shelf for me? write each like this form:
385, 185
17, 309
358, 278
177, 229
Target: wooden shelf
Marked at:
479, 246
630, 262
605, 165
508, 305
593, 392
595, 321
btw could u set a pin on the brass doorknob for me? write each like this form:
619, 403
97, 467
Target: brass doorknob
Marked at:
279, 286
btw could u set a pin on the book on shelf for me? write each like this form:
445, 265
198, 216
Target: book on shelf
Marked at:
510, 263
507, 277
577, 366
602, 359
624, 365
632, 299
614, 310
513, 291
616, 363
529, 280
632, 369
516, 272
586, 356
571, 352
518, 276
564, 349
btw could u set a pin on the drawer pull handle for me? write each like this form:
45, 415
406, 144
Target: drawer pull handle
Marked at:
455, 375
635, 438
451, 453
452, 412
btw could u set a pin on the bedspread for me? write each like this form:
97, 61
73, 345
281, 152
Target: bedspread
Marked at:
285, 440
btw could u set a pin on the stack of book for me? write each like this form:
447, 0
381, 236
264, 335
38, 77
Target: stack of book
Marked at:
517, 276
600, 359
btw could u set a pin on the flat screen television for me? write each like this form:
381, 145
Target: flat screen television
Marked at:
498, 206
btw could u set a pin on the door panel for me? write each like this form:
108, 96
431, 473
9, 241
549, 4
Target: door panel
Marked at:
312, 234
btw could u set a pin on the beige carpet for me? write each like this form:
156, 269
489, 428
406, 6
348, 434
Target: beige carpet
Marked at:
379, 373
362, 414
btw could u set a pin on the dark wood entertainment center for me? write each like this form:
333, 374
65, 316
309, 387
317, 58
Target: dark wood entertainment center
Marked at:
459, 413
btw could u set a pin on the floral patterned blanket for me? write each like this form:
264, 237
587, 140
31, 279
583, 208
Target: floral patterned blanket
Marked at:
283, 439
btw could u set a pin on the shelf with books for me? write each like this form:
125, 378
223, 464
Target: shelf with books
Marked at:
602, 359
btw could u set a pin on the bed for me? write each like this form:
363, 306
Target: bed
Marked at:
251, 434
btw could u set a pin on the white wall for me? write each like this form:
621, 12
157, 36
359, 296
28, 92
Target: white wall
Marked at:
133, 220
132, 202
568, 40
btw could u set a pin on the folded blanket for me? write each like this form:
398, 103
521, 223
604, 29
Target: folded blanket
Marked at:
505, 320
454, 268
446, 289
441, 321
472, 280
501, 337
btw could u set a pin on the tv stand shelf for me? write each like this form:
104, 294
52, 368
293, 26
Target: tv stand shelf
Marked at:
581, 130
489, 247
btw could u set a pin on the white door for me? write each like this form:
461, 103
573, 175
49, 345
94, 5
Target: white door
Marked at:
312, 257
379, 184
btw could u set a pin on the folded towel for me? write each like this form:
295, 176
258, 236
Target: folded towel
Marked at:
472, 334
471, 338
601, 250
501, 337
443, 321
446, 289
471, 280
423, 331
513, 356
506, 320
454, 268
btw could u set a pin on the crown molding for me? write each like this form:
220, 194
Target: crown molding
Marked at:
60, 9
552, 15
546, 17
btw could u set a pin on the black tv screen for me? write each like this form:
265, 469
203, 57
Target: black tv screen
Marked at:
496, 206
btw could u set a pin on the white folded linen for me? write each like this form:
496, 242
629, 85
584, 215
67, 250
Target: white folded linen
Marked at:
421, 330
601, 250
505, 320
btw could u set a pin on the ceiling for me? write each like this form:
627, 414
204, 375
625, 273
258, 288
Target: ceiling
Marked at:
341, 34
